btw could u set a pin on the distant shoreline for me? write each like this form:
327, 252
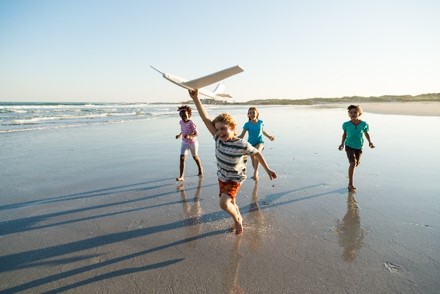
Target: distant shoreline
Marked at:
430, 97
399, 108
422, 105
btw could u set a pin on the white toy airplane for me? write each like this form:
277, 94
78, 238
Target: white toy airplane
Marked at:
198, 84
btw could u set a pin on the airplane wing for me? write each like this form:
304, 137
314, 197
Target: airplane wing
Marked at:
213, 78
198, 84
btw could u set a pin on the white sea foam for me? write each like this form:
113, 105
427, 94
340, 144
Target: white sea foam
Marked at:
21, 116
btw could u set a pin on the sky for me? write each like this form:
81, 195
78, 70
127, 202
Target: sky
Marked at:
101, 51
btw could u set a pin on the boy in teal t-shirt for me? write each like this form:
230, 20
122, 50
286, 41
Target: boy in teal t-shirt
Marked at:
353, 139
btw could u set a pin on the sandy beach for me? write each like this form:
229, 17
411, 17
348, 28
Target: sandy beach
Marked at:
97, 209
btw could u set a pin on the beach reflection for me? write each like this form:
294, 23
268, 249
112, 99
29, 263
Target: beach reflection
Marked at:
256, 220
349, 230
230, 273
191, 212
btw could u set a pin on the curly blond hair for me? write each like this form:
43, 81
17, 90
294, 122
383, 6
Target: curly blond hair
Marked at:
227, 119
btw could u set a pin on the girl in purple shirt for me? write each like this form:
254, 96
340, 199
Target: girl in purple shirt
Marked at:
188, 132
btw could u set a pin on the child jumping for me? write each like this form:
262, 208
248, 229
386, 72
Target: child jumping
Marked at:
229, 151
188, 132
354, 129
256, 131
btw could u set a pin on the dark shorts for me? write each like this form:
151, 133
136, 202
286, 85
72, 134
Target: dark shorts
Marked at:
258, 143
230, 188
353, 155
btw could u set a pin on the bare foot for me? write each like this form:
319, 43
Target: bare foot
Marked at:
256, 178
238, 228
200, 173
181, 179
351, 188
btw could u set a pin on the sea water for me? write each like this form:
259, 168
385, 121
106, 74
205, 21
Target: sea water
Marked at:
20, 117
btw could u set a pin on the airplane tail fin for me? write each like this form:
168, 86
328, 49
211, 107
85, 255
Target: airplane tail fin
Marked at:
220, 91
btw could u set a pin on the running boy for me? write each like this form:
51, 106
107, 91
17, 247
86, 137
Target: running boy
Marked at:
188, 132
229, 151
354, 129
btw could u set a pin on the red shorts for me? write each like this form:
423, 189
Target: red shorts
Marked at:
231, 188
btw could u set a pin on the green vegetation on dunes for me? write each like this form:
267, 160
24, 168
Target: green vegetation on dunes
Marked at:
431, 97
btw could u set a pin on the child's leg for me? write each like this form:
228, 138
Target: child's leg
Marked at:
356, 159
194, 151
199, 165
255, 166
183, 152
255, 162
182, 167
351, 169
227, 204
353, 159
358, 156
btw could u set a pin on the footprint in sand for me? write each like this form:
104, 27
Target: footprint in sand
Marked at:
136, 224
393, 268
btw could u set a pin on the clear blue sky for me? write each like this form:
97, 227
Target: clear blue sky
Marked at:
100, 51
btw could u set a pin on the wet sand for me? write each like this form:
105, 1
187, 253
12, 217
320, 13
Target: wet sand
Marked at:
98, 210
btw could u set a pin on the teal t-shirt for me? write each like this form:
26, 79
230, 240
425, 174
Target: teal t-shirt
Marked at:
255, 132
355, 134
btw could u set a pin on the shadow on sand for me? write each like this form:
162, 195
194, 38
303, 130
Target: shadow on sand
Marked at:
38, 257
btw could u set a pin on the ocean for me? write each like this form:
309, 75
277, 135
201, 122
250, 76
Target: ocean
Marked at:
25, 117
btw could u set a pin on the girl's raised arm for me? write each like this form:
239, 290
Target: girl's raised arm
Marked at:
202, 112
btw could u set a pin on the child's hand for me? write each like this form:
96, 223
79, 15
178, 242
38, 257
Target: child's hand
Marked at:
272, 138
193, 94
178, 136
341, 147
371, 145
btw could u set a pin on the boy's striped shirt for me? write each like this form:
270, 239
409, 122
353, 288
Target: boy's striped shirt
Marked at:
230, 163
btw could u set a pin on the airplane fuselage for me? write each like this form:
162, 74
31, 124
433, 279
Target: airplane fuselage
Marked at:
176, 80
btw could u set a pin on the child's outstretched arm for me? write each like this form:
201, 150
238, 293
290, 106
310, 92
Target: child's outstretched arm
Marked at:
272, 175
202, 111
369, 140
344, 136
242, 134
272, 138
178, 136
